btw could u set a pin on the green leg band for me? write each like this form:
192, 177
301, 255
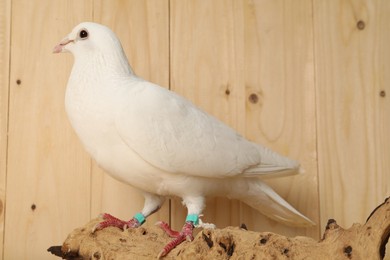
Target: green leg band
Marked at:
140, 218
193, 218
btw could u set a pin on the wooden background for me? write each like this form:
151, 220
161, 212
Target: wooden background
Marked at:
308, 78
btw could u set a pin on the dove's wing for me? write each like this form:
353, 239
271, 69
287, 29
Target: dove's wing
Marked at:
172, 134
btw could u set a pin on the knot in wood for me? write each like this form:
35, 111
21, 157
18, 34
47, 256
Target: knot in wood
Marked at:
243, 226
253, 98
97, 255
332, 224
361, 25
348, 251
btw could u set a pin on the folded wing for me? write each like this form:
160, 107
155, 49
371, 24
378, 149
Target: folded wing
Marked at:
172, 134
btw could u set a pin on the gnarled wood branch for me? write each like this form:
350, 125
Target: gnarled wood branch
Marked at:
366, 241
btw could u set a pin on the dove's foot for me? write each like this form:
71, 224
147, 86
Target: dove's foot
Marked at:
111, 221
179, 237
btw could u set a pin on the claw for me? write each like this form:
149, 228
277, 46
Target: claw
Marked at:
94, 228
97, 226
164, 226
171, 245
161, 254
111, 221
179, 237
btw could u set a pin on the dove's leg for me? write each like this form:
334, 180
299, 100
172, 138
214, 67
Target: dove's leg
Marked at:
152, 204
195, 205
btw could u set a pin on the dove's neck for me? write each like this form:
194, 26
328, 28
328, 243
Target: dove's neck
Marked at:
110, 63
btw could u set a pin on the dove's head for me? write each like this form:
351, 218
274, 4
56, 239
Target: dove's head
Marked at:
89, 42
88, 37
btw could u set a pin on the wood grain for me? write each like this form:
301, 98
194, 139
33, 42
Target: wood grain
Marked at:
142, 27
352, 68
224, 51
48, 178
279, 70
5, 30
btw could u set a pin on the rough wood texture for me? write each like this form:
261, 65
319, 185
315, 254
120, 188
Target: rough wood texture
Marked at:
366, 241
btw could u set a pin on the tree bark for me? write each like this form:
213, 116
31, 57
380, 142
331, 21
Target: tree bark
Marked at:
367, 241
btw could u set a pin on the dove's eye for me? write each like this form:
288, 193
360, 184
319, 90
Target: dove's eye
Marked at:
83, 34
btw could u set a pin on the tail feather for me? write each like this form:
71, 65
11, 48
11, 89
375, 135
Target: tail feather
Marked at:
263, 198
273, 165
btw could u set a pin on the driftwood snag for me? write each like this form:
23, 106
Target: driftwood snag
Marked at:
366, 241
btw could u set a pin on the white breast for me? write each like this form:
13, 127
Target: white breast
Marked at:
91, 111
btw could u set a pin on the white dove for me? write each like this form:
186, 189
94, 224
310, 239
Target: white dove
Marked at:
161, 143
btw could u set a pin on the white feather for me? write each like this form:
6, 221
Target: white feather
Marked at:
158, 141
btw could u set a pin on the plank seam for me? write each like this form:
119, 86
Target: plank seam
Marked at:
316, 115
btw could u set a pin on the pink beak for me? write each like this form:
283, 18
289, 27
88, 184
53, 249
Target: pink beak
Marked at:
60, 47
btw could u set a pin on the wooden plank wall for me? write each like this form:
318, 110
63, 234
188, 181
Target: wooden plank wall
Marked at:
352, 79
48, 173
307, 78
252, 49
5, 27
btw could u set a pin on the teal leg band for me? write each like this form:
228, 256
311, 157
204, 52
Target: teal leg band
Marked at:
193, 218
140, 218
